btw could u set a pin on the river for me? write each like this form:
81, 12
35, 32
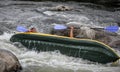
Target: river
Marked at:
38, 14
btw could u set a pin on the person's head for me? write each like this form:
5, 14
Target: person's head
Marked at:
33, 29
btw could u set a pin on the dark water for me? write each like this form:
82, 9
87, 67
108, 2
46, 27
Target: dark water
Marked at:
43, 17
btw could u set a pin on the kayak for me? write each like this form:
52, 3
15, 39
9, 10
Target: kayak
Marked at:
87, 49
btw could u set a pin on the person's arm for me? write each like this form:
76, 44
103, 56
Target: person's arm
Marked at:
71, 32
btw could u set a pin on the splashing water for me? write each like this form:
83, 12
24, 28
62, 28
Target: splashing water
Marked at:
33, 61
27, 14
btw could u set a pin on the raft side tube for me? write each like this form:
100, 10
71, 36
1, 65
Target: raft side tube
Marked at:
85, 48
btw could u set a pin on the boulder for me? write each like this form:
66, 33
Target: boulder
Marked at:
3, 66
9, 62
115, 44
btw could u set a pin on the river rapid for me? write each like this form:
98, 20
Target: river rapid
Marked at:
40, 15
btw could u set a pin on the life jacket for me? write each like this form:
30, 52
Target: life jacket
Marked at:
32, 30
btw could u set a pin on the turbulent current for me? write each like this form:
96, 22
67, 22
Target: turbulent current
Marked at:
43, 16
33, 61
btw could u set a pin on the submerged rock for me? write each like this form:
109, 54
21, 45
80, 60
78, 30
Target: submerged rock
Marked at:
9, 62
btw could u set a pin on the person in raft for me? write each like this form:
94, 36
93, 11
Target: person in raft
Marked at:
33, 29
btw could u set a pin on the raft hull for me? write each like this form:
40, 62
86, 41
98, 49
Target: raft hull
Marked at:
84, 48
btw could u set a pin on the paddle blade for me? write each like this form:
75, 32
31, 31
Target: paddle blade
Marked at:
112, 28
59, 27
21, 29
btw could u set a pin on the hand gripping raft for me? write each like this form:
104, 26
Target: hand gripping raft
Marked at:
84, 48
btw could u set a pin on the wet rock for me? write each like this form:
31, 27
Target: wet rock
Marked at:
9, 62
87, 32
62, 8
2, 66
105, 39
115, 44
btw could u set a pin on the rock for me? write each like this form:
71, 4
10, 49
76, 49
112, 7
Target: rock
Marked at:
9, 62
61, 8
87, 32
105, 39
2, 66
115, 44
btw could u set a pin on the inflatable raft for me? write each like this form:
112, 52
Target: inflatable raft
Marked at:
84, 48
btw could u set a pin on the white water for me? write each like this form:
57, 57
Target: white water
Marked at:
53, 61
17, 13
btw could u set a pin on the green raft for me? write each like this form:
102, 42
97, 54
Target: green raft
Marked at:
84, 48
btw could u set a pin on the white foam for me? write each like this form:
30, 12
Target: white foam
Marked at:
53, 59
5, 36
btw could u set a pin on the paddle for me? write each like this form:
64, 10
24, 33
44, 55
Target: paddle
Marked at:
112, 28
21, 29
108, 28
59, 27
